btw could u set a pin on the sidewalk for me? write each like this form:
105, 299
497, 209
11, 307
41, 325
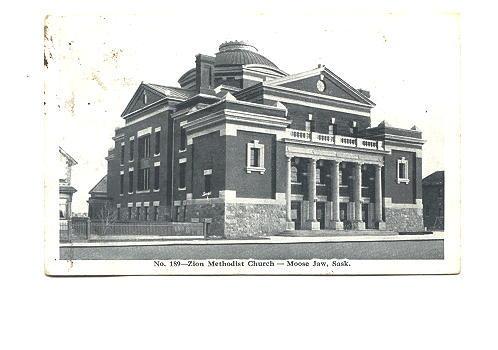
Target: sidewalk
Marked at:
120, 241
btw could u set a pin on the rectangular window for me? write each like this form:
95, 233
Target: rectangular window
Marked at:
129, 213
342, 178
122, 154
403, 171
183, 139
121, 184
146, 213
307, 125
118, 214
144, 147
254, 157
354, 129
137, 216
143, 179
333, 129
156, 213
207, 183
182, 175
294, 174
157, 143
132, 149
130, 181
156, 177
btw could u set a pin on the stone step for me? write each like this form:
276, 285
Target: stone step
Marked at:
336, 233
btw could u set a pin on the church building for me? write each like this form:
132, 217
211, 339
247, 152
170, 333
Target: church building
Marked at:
251, 150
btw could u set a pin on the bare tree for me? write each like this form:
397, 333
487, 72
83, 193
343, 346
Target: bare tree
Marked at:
106, 217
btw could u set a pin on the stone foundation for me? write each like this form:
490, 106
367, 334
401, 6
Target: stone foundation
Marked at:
404, 219
235, 220
248, 220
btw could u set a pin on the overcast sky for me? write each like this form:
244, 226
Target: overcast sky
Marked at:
409, 63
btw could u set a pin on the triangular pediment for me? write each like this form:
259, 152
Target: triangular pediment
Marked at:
144, 96
321, 81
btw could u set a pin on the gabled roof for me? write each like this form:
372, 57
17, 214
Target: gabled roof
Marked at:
170, 91
436, 178
100, 187
66, 155
161, 92
327, 73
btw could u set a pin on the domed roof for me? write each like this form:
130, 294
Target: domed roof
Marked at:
234, 53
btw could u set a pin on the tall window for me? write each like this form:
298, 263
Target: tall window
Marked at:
144, 147
156, 177
121, 184
182, 175
207, 181
403, 171
122, 154
118, 211
318, 175
255, 157
332, 129
143, 179
294, 177
129, 213
157, 143
353, 128
183, 138
130, 181
137, 214
146, 213
156, 213
307, 125
132, 149
342, 178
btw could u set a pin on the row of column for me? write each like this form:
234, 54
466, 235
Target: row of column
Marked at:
335, 223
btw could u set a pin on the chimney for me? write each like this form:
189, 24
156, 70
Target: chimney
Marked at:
204, 73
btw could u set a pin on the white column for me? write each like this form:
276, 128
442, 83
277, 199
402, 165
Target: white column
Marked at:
358, 223
378, 198
312, 188
288, 196
336, 223
312, 223
288, 189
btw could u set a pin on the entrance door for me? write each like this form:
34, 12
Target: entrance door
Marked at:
364, 214
296, 214
320, 214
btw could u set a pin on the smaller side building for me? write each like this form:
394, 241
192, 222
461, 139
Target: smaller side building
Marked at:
66, 191
433, 200
99, 201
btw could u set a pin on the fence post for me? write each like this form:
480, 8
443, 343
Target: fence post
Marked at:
88, 229
69, 227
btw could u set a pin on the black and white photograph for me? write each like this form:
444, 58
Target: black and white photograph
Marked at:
318, 148
249, 175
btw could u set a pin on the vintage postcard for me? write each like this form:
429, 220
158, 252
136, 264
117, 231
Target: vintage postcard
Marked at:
312, 143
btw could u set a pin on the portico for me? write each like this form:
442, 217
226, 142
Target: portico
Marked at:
326, 178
